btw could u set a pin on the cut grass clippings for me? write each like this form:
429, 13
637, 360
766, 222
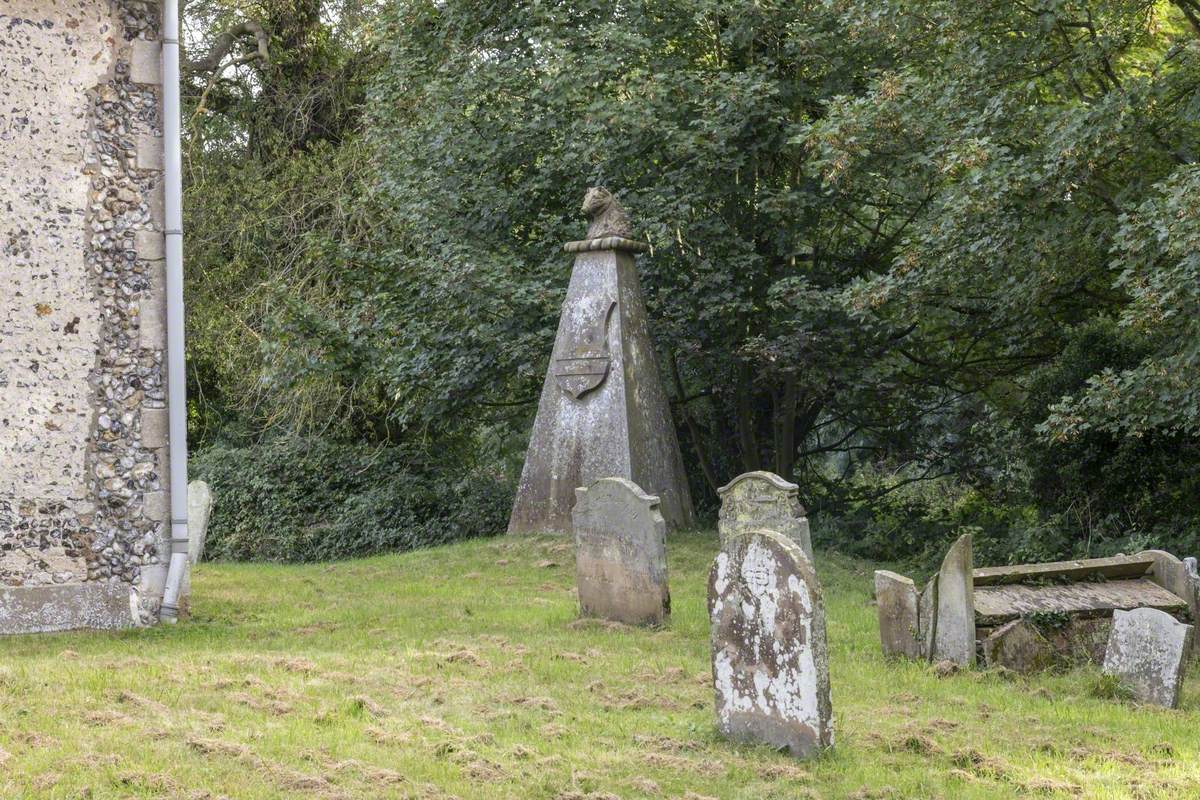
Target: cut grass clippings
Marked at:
464, 672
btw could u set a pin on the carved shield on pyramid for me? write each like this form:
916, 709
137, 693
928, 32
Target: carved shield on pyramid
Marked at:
583, 363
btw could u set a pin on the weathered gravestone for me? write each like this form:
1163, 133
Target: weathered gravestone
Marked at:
938, 624
899, 616
199, 509
200, 503
1147, 651
603, 411
769, 659
954, 625
621, 553
763, 500
1019, 646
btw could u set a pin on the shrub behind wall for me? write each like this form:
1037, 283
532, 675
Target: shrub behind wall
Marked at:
315, 500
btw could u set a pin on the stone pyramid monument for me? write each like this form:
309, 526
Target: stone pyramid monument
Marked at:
603, 411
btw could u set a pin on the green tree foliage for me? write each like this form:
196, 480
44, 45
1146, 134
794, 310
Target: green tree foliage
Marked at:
491, 119
294, 431
275, 169
1047, 150
891, 241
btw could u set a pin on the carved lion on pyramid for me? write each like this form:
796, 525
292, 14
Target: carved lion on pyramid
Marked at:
609, 217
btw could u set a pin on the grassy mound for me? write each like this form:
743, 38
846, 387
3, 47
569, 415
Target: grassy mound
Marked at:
463, 672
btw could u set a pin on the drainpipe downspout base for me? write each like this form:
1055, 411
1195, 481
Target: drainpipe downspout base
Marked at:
176, 374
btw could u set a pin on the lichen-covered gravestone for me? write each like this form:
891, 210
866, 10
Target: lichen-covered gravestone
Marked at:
621, 553
1147, 651
603, 411
763, 500
899, 615
769, 658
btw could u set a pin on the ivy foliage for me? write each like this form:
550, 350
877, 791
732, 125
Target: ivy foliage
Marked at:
317, 500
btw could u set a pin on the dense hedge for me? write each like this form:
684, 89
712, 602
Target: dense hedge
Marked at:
913, 526
314, 500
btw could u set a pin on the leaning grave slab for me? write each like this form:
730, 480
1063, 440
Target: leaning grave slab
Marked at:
954, 624
1069, 604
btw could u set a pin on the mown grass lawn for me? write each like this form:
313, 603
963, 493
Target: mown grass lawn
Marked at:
462, 672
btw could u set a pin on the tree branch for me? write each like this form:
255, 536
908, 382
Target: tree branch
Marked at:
225, 42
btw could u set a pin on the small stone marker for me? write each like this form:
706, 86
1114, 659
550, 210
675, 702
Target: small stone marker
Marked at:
1147, 650
899, 617
763, 500
954, 634
769, 658
199, 509
1019, 646
621, 553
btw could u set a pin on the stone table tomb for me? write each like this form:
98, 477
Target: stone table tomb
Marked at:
1029, 616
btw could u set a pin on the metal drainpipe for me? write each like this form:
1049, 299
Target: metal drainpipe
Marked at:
176, 375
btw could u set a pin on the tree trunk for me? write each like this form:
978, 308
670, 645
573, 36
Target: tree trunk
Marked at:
747, 438
693, 429
785, 427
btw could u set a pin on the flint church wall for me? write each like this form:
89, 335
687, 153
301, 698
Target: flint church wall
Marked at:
83, 418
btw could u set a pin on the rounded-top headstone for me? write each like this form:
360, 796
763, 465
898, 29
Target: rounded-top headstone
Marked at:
621, 553
1147, 651
769, 658
763, 500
